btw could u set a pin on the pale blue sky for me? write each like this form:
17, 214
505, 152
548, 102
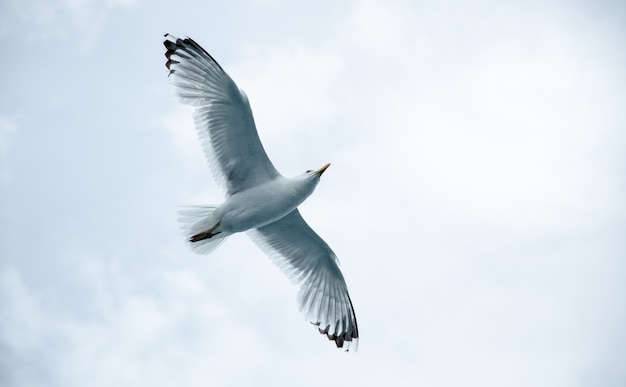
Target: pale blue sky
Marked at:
475, 198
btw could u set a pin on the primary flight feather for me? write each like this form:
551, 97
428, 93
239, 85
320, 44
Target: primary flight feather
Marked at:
259, 200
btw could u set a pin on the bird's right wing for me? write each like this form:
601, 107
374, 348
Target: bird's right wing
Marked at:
223, 117
309, 262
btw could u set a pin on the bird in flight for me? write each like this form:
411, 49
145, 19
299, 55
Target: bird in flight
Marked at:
259, 200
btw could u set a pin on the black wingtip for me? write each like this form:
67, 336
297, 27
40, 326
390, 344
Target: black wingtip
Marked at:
341, 339
348, 336
170, 47
173, 44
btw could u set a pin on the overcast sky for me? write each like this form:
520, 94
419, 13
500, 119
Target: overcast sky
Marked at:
476, 197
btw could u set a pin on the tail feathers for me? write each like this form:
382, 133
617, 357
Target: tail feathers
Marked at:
195, 223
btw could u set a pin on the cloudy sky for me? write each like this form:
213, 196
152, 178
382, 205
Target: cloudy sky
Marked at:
475, 198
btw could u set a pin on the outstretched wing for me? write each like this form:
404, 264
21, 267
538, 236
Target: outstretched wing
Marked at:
309, 262
223, 117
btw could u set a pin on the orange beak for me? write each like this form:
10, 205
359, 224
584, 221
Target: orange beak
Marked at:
321, 170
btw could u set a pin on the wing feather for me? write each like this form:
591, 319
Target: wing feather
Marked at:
222, 116
310, 263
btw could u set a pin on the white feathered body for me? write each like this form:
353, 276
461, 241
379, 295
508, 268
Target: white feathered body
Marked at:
263, 204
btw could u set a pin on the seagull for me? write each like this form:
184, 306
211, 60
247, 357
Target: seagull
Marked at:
259, 200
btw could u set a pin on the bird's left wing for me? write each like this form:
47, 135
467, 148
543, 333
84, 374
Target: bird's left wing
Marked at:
310, 263
223, 116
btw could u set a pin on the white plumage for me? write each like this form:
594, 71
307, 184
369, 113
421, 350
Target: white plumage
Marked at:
259, 200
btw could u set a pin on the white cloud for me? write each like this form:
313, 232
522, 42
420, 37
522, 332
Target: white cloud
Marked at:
178, 123
7, 131
22, 325
52, 19
379, 28
116, 331
291, 87
513, 133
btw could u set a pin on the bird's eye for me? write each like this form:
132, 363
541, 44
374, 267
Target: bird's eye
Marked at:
308, 171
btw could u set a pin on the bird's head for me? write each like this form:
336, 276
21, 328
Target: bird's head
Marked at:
310, 178
316, 173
